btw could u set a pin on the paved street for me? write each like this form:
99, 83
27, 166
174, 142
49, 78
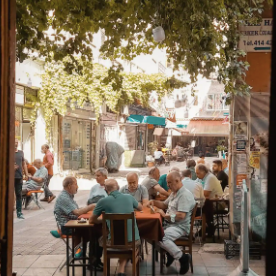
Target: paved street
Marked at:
36, 252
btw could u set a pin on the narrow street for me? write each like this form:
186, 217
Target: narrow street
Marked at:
37, 252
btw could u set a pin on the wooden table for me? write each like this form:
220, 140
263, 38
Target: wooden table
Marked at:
88, 233
149, 225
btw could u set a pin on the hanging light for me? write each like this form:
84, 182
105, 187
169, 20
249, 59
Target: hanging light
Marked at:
158, 34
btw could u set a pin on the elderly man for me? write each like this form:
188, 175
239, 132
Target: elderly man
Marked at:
115, 203
220, 174
163, 178
36, 181
193, 186
212, 189
66, 208
98, 191
139, 192
191, 164
150, 182
179, 207
225, 166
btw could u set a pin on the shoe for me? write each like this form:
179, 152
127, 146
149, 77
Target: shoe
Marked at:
121, 274
45, 199
170, 259
51, 198
99, 267
184, 264
20, 215
78, 253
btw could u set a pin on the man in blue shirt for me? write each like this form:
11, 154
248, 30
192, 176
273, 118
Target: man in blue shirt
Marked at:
117, 203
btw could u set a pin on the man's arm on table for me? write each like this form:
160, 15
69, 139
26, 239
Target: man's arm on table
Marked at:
84, 210
159, 204
162, 191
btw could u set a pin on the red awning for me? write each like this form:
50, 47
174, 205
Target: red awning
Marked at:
206, 128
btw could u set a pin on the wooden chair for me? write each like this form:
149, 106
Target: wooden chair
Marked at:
119, 247
184, 241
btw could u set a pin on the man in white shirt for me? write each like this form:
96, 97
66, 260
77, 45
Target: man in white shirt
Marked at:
194, 187
98, 192
212, 190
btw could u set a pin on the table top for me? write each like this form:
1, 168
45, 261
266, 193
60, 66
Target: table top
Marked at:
144, 214
149, 225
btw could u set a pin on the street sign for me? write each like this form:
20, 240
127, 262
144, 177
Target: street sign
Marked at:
256, 38
226, 114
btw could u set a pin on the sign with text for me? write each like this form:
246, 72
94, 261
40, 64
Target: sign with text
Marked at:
256, 38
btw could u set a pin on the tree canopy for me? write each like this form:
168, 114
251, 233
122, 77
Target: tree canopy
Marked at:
59, 88
201, 35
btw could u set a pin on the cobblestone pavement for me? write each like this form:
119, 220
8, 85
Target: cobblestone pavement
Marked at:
36, 252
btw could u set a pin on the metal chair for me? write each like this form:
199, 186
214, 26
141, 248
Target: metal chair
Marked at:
63, 238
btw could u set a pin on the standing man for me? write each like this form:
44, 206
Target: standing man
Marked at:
19, 166
150, 182
220, 174
48, 162
179, 206
139, 192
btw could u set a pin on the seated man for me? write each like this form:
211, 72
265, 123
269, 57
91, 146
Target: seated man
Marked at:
139, 192
220, 174
36, 181
193, 186
212, 189
180, 203
150, 182
117, 203
31, 169
158, 156
163, 178
98, 192
191, 164
66, 208
225, 166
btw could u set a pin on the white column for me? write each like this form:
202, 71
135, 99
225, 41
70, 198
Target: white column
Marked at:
40, 134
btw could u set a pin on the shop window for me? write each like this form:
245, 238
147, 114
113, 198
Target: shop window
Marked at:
210, 102
76, 144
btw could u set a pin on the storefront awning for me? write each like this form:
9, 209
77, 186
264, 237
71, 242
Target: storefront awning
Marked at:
157, 121
207, 128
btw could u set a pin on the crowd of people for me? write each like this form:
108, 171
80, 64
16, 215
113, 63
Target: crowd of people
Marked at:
180, 189
32, 177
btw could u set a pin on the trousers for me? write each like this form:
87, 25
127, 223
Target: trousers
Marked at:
18, 182
47, 191
172, 233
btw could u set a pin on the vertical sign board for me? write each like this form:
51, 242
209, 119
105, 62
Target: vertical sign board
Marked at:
256, 38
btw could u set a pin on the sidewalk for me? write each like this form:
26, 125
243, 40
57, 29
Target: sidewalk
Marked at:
36, 252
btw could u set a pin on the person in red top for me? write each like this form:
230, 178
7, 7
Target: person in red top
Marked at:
48, 162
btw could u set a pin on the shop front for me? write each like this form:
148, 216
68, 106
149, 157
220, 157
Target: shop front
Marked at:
78, 141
